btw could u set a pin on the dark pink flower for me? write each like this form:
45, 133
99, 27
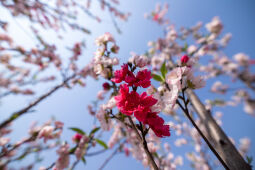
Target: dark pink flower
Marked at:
130, 78
251, 62
140, 105
120, 75
141, 113
144, 107
156, 17
143, 78
156, 123
125, 101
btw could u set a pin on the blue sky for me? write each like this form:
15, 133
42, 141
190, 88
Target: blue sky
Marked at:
69, 106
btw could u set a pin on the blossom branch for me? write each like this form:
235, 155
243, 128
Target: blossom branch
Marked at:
26, 109
4, 153
144, 142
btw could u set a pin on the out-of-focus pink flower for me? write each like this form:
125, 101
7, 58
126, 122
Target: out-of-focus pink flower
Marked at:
139, 60
219, 88
46, 132
63, 160
119, 75
4, 141
157, 62
81, 149
105, 122
242, 59
195, 82
172, 35
224, 41
158, 15
245, 144
152, 147
100, 94
110, 104
91, 111
249, 107
116, 136
181, 141
107, 37
191, 49
59, 125
215, 26
126, 150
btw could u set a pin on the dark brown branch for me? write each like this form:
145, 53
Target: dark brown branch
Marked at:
145, 147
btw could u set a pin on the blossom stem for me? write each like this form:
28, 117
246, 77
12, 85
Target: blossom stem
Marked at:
144, 142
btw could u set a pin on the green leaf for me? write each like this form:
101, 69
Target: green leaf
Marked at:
163, 70
249, 159
217, 102
22, 156
157, 77
83, 160
34, 77
190, 84
72, 150
156, 154
100, 142
94, 131
184, 49
77, 130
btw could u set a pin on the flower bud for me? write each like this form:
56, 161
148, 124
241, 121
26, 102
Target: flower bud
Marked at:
106, 86
77, 137
184, 59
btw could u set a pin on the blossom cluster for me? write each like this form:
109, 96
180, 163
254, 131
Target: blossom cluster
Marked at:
101, 61
130, 102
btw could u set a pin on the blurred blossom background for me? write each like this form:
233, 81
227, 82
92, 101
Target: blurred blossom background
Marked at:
70, 106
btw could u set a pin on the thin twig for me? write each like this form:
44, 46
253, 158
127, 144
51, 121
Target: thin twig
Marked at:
96, 153
109, 158
74, 164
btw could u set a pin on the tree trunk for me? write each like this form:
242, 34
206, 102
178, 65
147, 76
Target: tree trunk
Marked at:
218, 138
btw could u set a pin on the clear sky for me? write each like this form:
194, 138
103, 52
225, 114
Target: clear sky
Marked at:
69, 106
